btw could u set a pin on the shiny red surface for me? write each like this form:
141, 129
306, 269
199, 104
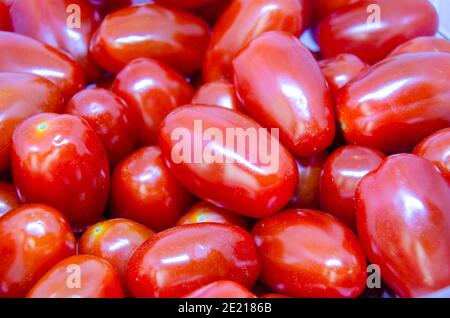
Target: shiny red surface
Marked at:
180, 260
219, 93
8, 198
355, 30
174, 37
242, 22
152, 90
422, 44
397, 102
341, 174
33, 238
112, 119
22, 96
322, 8
308, 253
296, 100
25, 55
221, 289
144, 190
97, 279
59, 160
404, 224
5, 24
245, 185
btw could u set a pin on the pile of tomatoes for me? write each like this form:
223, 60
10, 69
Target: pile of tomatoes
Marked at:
95, 201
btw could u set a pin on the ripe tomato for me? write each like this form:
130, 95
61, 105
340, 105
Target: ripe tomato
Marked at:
80, 276
296, 100
272, 295
58, 160
404, 224
182, 259
422, 44
33, 238
341, 174
176, 38
371, 29
24, 55
144, 190
322, 8
436, 149
191, 4
114, 240
243, 21
397, 102
204, 212
5, 24
308, 253
113, 121
244, 175
8, 198
52, 22
152, 90
22, 96
221, 289
219, 93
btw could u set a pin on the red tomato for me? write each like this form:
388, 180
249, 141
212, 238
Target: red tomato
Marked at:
422, 44
296, 100
219, 93
307, 195
397, 102
355, 29
22, 96
323, 8
340, 70
33, 238
272, 295
144, 190
58, 160
55, 23
114, 240
80, 276
5, 24
234, 175
8, 198
25, 55
110, 117
191, 4
152, 90
204, 212
308, 253
243, 21
404, 224
173, 37
436, 148
221, 289
211, 13
341, 174
180, 260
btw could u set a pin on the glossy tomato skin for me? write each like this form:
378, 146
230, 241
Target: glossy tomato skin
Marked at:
297, 100
173, 37
25, 55
422, 44
404, 224
22, 96
340, 70
219, 93
243, 21
59, 160
33, 238
144, 190
204, 212
51, 22
307, 194
114, 240
309, 253
192, 4
8, 198
191, 256
97, 279
397, 102
436, 148
5, 23
323, 8
221, 289
152, 90
112, 119
249, 185
355, 30
340, 177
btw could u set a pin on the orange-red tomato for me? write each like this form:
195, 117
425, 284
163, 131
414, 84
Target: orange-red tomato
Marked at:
8, 198
219, 93
221, 289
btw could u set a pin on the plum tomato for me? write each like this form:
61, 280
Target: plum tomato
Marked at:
323, 8
8, 198
221, 289
33, 238
219, 93
422, 44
